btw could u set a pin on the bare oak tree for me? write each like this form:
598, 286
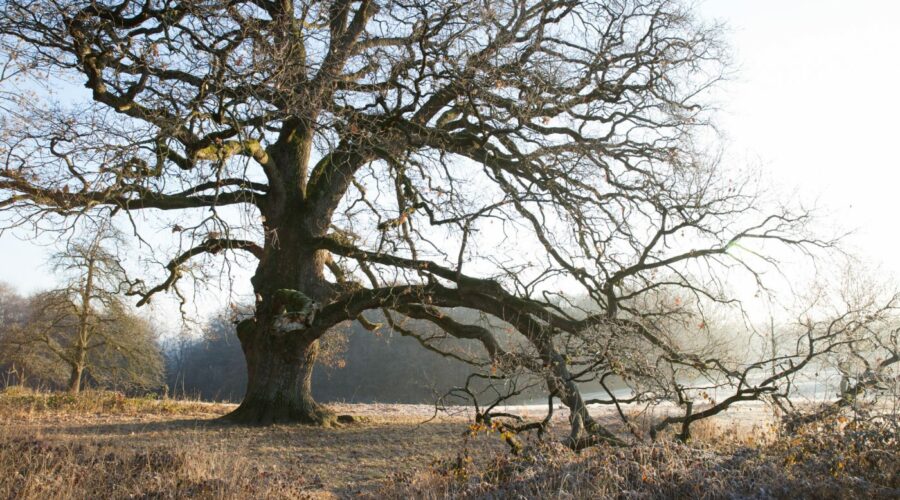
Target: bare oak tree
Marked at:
408, 156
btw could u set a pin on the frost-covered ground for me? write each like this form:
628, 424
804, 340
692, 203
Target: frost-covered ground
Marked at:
102, 445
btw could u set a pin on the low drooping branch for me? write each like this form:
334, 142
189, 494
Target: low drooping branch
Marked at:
872, 380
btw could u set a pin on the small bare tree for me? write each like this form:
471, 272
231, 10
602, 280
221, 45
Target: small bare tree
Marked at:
85, 325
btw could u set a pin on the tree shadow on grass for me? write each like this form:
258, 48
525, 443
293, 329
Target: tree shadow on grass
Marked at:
131, 427
111, 429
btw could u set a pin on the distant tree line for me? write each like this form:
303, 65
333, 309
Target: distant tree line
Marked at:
360, 366
86, 333
39, 347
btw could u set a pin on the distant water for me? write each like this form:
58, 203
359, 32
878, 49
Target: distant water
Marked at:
814, 388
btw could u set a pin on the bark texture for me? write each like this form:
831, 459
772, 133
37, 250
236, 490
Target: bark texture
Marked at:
279, 375
279, 352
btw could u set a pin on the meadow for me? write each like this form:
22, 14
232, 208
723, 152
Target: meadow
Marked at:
106, 445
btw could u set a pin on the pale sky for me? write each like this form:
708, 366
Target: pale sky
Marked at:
812, 104
815, 101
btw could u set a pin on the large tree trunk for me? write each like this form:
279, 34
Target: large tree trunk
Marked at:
280, 363
279, 374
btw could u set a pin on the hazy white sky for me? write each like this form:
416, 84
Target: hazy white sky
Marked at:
813, 103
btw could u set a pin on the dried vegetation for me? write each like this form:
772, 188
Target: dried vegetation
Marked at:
102, 445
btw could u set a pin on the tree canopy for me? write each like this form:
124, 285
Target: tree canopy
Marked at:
550, 165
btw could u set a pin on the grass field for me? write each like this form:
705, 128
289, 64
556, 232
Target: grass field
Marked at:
102, 445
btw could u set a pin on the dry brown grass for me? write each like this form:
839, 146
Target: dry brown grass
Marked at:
819, 464
103, 445
18, 403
